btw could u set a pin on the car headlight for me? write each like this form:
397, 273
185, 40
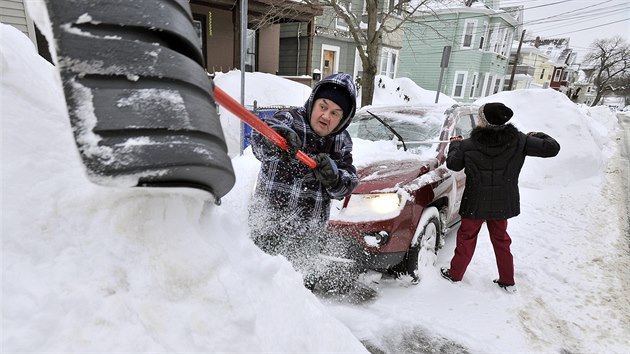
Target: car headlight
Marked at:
378, 203
371, 207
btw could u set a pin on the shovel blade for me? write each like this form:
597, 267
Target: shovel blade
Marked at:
140, 102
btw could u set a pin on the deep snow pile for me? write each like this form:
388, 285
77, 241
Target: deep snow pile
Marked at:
87, 268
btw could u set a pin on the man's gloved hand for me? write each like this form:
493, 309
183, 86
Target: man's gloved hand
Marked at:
293, 142
326, 170
456, 138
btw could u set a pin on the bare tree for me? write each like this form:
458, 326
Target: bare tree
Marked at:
366, 28
379, 18
611, 60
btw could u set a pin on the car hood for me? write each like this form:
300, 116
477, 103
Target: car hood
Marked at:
390, 175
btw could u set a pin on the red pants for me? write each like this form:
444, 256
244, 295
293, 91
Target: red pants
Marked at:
467, 241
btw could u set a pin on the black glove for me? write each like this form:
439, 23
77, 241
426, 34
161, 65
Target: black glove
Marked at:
326, 170
293, 142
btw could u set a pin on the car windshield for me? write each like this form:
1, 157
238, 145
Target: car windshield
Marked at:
419, 128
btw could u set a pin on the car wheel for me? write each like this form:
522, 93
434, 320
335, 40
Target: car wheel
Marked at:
424, 252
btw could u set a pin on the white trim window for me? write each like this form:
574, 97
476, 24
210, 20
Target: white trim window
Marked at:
498, 83
498, 41
389, 62
506, 45
468, 36
556, 75
358, 65
474, 84
492, 37
487, 85
484, 35
392, 4
459, 83
340, 23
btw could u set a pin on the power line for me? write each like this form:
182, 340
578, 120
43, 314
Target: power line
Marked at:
584, 29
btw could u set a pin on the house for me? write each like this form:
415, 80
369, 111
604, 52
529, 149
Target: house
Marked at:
218, 26
220, 31
480, 39
532, 69
333, 48
561, 61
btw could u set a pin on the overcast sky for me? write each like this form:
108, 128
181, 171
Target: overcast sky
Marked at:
583, 21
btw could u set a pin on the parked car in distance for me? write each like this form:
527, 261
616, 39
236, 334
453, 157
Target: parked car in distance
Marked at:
405, 202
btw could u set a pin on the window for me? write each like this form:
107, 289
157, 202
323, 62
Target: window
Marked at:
459, 83
388, 62
473, 85
340, 23
469, 33
507, 41
392, 4
484, 34
556, 75
542, 73
492, 37
358, 66
498, 41
487, 85
497, 85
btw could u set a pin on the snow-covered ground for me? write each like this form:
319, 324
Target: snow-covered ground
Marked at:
87, 268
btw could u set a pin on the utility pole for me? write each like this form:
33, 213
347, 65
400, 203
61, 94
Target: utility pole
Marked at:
243, 53
518, 52
446, 55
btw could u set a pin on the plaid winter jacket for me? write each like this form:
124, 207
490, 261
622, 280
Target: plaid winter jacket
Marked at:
288, 199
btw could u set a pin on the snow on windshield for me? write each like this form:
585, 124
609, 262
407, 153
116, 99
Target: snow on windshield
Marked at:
419, 128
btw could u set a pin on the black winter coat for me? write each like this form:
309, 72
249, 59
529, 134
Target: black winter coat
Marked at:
492, 158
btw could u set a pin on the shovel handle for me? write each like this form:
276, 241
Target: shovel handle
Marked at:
248, 117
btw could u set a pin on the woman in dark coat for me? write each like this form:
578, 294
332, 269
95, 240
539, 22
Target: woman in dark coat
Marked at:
492, 158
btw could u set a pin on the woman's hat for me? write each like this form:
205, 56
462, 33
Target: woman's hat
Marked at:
494, 113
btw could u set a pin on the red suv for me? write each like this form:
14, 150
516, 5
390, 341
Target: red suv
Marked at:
404, 204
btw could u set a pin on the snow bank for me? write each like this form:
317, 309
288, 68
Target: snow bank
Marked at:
94, 269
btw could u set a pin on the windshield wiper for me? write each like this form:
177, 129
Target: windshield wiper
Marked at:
390, 129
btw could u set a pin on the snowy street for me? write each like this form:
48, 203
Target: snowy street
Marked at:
92, 268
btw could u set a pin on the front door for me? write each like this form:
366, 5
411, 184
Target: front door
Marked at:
328, 66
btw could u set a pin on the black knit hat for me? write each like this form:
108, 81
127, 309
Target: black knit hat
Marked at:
337, 94
496, 113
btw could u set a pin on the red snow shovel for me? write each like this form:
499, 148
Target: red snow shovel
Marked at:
248, 117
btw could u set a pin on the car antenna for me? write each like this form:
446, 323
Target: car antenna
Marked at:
390, 129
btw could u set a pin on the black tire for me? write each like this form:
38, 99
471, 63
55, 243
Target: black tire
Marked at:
425, 251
